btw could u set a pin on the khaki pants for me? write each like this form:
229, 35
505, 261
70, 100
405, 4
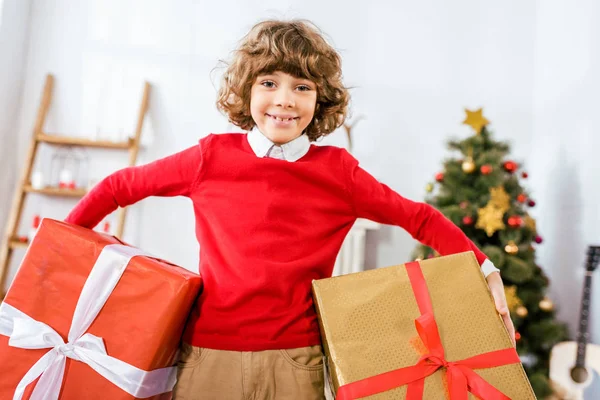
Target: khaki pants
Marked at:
206, 374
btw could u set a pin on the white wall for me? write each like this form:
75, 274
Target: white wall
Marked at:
414, 66
14, 43
564, 151
14, 31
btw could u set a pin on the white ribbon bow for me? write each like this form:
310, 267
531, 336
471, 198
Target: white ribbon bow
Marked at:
27, 333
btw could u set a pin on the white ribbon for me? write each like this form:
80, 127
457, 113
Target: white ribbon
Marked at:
27, 333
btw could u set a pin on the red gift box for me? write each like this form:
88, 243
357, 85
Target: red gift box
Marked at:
140, 323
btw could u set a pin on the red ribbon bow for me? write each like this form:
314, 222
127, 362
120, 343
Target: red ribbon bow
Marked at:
460, 375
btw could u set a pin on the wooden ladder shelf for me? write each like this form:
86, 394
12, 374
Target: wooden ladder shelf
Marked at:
11, 240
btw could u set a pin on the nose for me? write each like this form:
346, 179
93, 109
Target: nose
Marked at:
284, 98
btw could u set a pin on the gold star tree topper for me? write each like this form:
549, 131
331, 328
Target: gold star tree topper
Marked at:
476, 120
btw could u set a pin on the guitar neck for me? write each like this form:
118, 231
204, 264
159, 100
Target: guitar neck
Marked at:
582, 334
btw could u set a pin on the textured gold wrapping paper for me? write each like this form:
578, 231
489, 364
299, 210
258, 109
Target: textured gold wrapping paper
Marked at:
367, 325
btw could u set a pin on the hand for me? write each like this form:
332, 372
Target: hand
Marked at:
497, 288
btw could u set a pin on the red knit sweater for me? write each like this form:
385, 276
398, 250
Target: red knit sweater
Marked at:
266, 229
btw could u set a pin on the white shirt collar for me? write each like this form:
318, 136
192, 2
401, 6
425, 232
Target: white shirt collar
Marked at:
292, 151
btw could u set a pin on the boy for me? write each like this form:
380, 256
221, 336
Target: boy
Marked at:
272, 211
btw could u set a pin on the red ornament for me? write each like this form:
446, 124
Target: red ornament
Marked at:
538, 239
517, 336
69, 185
486, 169
524, 175
521, 198
531, 203
467, 220
439, 176
514, 221
463, 204
510, 166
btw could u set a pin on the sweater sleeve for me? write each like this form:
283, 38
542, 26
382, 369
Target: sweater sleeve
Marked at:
377, 202
175, 175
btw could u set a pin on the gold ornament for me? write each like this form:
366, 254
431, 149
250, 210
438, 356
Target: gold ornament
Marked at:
499, 198
475, 120
490, 219
511, 247
546, 304
530, 223
512, 300
429, 188
468, 165
522, 311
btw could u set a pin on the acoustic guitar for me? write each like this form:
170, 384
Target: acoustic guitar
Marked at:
575, 365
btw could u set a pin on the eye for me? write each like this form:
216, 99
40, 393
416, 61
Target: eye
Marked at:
268, 84
304, 88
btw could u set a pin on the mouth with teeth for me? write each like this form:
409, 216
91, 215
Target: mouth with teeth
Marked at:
282, 120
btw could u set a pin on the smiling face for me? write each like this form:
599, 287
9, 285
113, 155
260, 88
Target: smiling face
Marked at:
282, 105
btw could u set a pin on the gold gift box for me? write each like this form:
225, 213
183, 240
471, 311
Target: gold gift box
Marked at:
367, 322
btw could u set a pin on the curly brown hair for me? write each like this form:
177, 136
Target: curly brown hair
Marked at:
295, 47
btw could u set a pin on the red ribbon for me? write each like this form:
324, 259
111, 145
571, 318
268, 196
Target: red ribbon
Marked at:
460, 375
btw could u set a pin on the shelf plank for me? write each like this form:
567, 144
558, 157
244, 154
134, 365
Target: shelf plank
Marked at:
15, 243
83, 142
54, 191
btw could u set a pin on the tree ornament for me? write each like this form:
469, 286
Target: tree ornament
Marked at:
467, 220
510, 166
429, 188
512, 300
490, 219
530, 360
439, 177
514, 221
530, 223
538, 239
517, 336
522, 311
531, 203
546, 304
486, 169
468, 165
463, 205
511, 247
524, 175
475, 120
499, 198
522, 198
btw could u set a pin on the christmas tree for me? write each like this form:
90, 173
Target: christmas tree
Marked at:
480, 191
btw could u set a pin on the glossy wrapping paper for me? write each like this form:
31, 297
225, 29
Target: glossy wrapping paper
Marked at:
367, 322
141, 323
